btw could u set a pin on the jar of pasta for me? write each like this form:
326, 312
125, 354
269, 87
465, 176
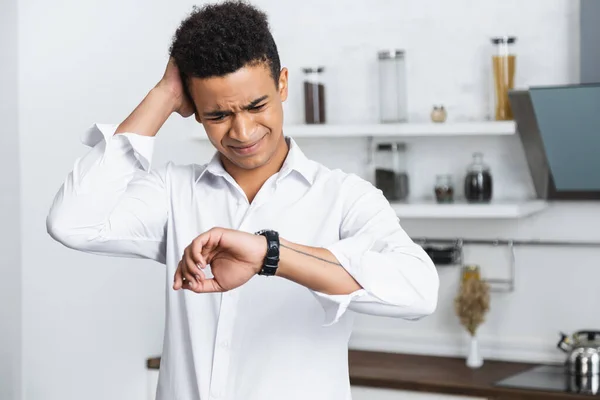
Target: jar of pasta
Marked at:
503, 76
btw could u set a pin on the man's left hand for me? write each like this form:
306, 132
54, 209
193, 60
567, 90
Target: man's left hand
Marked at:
234, 258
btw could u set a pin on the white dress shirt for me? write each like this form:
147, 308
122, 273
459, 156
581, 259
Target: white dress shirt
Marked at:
270, 339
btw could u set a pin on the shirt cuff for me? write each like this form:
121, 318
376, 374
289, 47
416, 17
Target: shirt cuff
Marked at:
142, 146
336, 305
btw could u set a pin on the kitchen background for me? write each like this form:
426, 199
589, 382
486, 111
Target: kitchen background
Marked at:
82, 326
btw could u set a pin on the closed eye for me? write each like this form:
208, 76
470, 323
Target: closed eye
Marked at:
219, 117
257, 108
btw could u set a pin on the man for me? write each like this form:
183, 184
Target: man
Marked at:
268, 249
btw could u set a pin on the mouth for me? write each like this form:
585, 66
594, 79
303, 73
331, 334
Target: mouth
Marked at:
248, 149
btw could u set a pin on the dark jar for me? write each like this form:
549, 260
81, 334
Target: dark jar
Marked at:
314, 96
390, 171
478, 181
444, 189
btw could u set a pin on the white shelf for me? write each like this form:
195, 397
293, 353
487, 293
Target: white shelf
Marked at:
494, 210
405, 129
483, 128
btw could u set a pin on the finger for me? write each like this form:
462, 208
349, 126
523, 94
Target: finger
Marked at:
178, 281
206, 244
209, 255
199, 276
196, 248
190, 269
202, 263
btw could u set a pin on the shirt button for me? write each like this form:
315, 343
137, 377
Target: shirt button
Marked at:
224, 343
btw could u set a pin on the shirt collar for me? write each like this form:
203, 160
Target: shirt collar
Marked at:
295, 161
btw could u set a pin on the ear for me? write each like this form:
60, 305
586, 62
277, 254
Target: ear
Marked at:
283, 84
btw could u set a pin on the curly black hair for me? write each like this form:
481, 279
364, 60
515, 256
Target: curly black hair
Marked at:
218, 39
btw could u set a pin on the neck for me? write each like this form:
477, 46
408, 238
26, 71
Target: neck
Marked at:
252, 180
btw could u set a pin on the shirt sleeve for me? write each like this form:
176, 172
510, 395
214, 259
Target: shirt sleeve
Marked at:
111, 203
397, 277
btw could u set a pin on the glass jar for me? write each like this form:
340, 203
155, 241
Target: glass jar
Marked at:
503, 76
478, 182
390, 171
444, 189
314, 95
471, 271
392, 86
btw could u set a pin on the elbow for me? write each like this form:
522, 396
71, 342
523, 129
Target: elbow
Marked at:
424, 303
60, 231
412, 312
55, 229
425, 296
428, 294
56, 224
427, 306
424, 307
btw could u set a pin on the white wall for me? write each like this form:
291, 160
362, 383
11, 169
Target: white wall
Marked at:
89, 322
10, 195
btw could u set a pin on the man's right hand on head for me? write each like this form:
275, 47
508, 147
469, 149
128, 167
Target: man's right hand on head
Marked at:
171, 83
165, 98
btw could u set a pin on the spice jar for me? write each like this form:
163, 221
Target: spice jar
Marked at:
314, 95
503, 76
444, 189
390, 171
478, 181
471, 271
392, 86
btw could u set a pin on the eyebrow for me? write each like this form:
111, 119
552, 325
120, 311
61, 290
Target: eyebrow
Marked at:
252, 104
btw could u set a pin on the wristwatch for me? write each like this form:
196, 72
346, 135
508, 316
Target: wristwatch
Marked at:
271, 261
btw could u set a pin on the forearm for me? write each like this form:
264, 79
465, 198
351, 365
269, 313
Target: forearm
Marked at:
150, 115
315, 268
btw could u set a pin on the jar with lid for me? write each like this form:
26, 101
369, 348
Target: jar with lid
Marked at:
503, 76
392, 86
478, 181
471, 271
390, 171
314, 95
444, 189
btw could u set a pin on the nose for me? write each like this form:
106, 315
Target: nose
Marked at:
242, 127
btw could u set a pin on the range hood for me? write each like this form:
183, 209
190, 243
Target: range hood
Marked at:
559, 127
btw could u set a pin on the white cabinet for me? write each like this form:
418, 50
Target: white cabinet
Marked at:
358, 392
367, 393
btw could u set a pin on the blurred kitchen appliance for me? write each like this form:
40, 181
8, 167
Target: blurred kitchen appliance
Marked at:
583, 352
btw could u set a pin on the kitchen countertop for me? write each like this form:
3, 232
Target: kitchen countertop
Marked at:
445, 375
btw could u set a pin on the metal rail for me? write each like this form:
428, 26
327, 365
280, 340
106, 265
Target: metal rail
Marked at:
507, 242
503, 285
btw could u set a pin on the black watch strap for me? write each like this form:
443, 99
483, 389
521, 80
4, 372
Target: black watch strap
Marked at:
271, 261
